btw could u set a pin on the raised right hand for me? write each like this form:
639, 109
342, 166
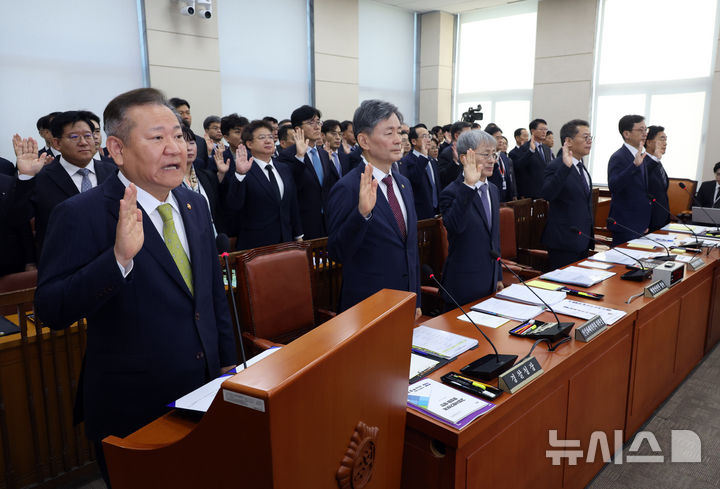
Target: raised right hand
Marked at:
368, 191
532, 143
301, 144
242, 163
470, 168
639, 157
567, 155
28, 161
129, 236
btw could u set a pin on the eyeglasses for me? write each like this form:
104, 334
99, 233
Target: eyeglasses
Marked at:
587, 138
488, 156
313, 122
264, 137
75, 138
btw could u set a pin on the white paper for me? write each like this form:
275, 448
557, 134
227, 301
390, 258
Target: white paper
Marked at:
585, 310
642, 243
521, 293
596, 264
680, 228
419, 364
613, 256
508, 309
583, 277
445, 402
482, 319
441, 343
201, 398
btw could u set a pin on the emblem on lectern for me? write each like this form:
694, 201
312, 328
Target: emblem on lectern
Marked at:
357, 465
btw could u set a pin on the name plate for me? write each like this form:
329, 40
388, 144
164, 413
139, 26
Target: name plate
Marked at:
695, 264
520, 375
593, 327
655, 289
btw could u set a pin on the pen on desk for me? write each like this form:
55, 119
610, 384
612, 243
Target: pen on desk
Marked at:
534, 326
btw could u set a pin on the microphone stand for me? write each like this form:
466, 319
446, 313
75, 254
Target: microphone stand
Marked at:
667, 257
635, 275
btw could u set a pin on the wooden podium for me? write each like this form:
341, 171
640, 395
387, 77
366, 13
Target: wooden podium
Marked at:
328, 407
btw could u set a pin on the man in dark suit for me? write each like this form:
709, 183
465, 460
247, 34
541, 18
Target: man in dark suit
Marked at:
521, 136
371, 214
262, 192
568, 189
340, 161
138, 260
627, 180
17, 252
43, 127
503, 176
470, 207
348, 137
449, 164
708, 195
7, 168
312, 170
72, 172
422, 173
657, 179
530, 161
203, 160
101, 153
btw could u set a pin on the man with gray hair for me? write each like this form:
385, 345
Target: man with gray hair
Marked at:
470, 207
371, 213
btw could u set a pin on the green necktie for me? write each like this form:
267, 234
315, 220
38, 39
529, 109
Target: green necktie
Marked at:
173, 243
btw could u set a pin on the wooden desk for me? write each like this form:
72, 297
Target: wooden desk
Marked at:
614, 382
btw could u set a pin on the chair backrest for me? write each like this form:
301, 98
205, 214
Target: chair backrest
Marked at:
679, 200
17, 281
508, 245
538, 219
275, 291
523, 221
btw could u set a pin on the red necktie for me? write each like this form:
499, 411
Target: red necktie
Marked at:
395, 206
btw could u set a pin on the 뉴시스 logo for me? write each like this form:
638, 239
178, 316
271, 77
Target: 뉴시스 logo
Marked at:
685, 446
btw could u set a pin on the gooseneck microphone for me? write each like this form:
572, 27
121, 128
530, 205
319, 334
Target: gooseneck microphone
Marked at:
563, 326
489, 366
222, 242
635, 275
654, 201
667, 257
695, 201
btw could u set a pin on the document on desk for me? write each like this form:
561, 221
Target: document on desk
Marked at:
443, 344
642, 243
520, 293
586, 310
482, 319
508, 309
596, 264
583, 277
681, 228
201, 398
421, 365
446, 404
613, 256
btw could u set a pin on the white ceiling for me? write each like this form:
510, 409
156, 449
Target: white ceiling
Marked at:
452, 6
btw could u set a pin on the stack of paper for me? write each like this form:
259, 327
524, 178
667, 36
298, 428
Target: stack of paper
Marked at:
440, 343
681, 228
520, 293
446, 404
482, 319
614, 256
583, 277
507, 309
586, 310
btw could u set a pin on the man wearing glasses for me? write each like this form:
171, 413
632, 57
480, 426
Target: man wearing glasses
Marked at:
470, 208
71, 173
422, 173
628, 182
311, 170
568, 189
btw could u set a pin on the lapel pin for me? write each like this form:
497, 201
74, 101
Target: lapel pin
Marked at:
402, 185
188, 206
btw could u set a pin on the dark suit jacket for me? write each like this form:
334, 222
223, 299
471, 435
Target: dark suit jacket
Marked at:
570, 205
264, 219
209, 182
149, 339
202, 160
448, 169
7, 168
705, 193
415, 169
530, 170
51, 186
355, 157
16, 244
372, 252
470, 273
312, 196
629, 204
657, 187
496, 178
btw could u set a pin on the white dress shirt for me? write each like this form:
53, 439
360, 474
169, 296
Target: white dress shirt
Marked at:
379, 175
72, 170
262, 165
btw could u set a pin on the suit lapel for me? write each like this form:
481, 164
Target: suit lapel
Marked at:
61, 178
259, 174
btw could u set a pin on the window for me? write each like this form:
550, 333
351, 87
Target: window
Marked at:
666, 78
504, 89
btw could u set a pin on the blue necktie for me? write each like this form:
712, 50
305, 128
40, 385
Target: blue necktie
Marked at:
542, 155
86, 184
336, 159
486, 203
432, 186
315, 158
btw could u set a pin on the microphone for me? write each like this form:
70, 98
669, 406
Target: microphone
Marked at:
222, 242
489, 366
563, 327
654, 201
635, 275
668, 257
695, 201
